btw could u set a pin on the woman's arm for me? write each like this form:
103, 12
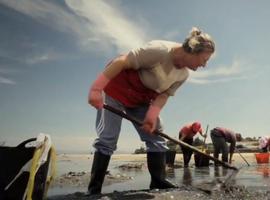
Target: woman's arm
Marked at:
160, 100
113, 69
149, 123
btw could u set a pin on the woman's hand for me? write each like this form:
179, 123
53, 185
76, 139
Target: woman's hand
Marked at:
95, 93
150, 120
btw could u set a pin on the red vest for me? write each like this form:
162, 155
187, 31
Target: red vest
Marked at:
127, 88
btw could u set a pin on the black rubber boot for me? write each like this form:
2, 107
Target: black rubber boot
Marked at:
99, 168
187, 157
156, 162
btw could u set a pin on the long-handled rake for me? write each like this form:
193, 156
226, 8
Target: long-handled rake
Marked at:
136, 121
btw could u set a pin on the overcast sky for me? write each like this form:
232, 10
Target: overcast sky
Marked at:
51, 51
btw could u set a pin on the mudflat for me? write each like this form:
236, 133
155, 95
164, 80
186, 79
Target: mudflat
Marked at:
212, 189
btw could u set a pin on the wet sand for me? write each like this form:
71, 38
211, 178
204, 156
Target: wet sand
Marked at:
142, 157
181, 193
211, 190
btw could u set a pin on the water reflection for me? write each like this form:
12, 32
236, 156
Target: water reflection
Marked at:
170, 173
264, 170
187, 177
220, 171
256, 175
202, 172
204, 175
191, 176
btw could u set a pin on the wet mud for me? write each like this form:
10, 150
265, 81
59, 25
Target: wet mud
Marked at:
222, 186
182, 193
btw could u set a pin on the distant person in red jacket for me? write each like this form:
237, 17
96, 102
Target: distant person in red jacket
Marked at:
186, 134
220, 137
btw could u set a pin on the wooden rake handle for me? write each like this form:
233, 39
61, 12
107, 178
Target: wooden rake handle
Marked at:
136, 121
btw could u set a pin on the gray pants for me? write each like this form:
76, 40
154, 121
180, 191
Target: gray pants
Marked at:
220, 146
108, 127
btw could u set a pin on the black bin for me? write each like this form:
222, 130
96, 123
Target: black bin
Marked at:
201, 160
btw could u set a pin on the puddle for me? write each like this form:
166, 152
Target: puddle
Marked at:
256, 176
253, 176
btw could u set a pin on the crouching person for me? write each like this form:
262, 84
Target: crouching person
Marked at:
220, 137
186, 134
264, 144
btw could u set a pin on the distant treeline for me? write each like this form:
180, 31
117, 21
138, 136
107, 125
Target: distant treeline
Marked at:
247, 145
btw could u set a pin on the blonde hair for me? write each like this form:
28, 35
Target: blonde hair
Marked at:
198, 42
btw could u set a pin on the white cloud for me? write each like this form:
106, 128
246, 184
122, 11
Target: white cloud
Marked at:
49, 14
96, 23
38, 58
46, 12
6, 81
108, 23
237, 70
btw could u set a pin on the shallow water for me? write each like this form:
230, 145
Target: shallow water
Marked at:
256, 176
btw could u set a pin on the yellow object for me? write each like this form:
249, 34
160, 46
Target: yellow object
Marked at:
203, 148
52, 171
34, 168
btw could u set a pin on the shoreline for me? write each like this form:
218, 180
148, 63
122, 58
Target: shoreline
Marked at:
250, 156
